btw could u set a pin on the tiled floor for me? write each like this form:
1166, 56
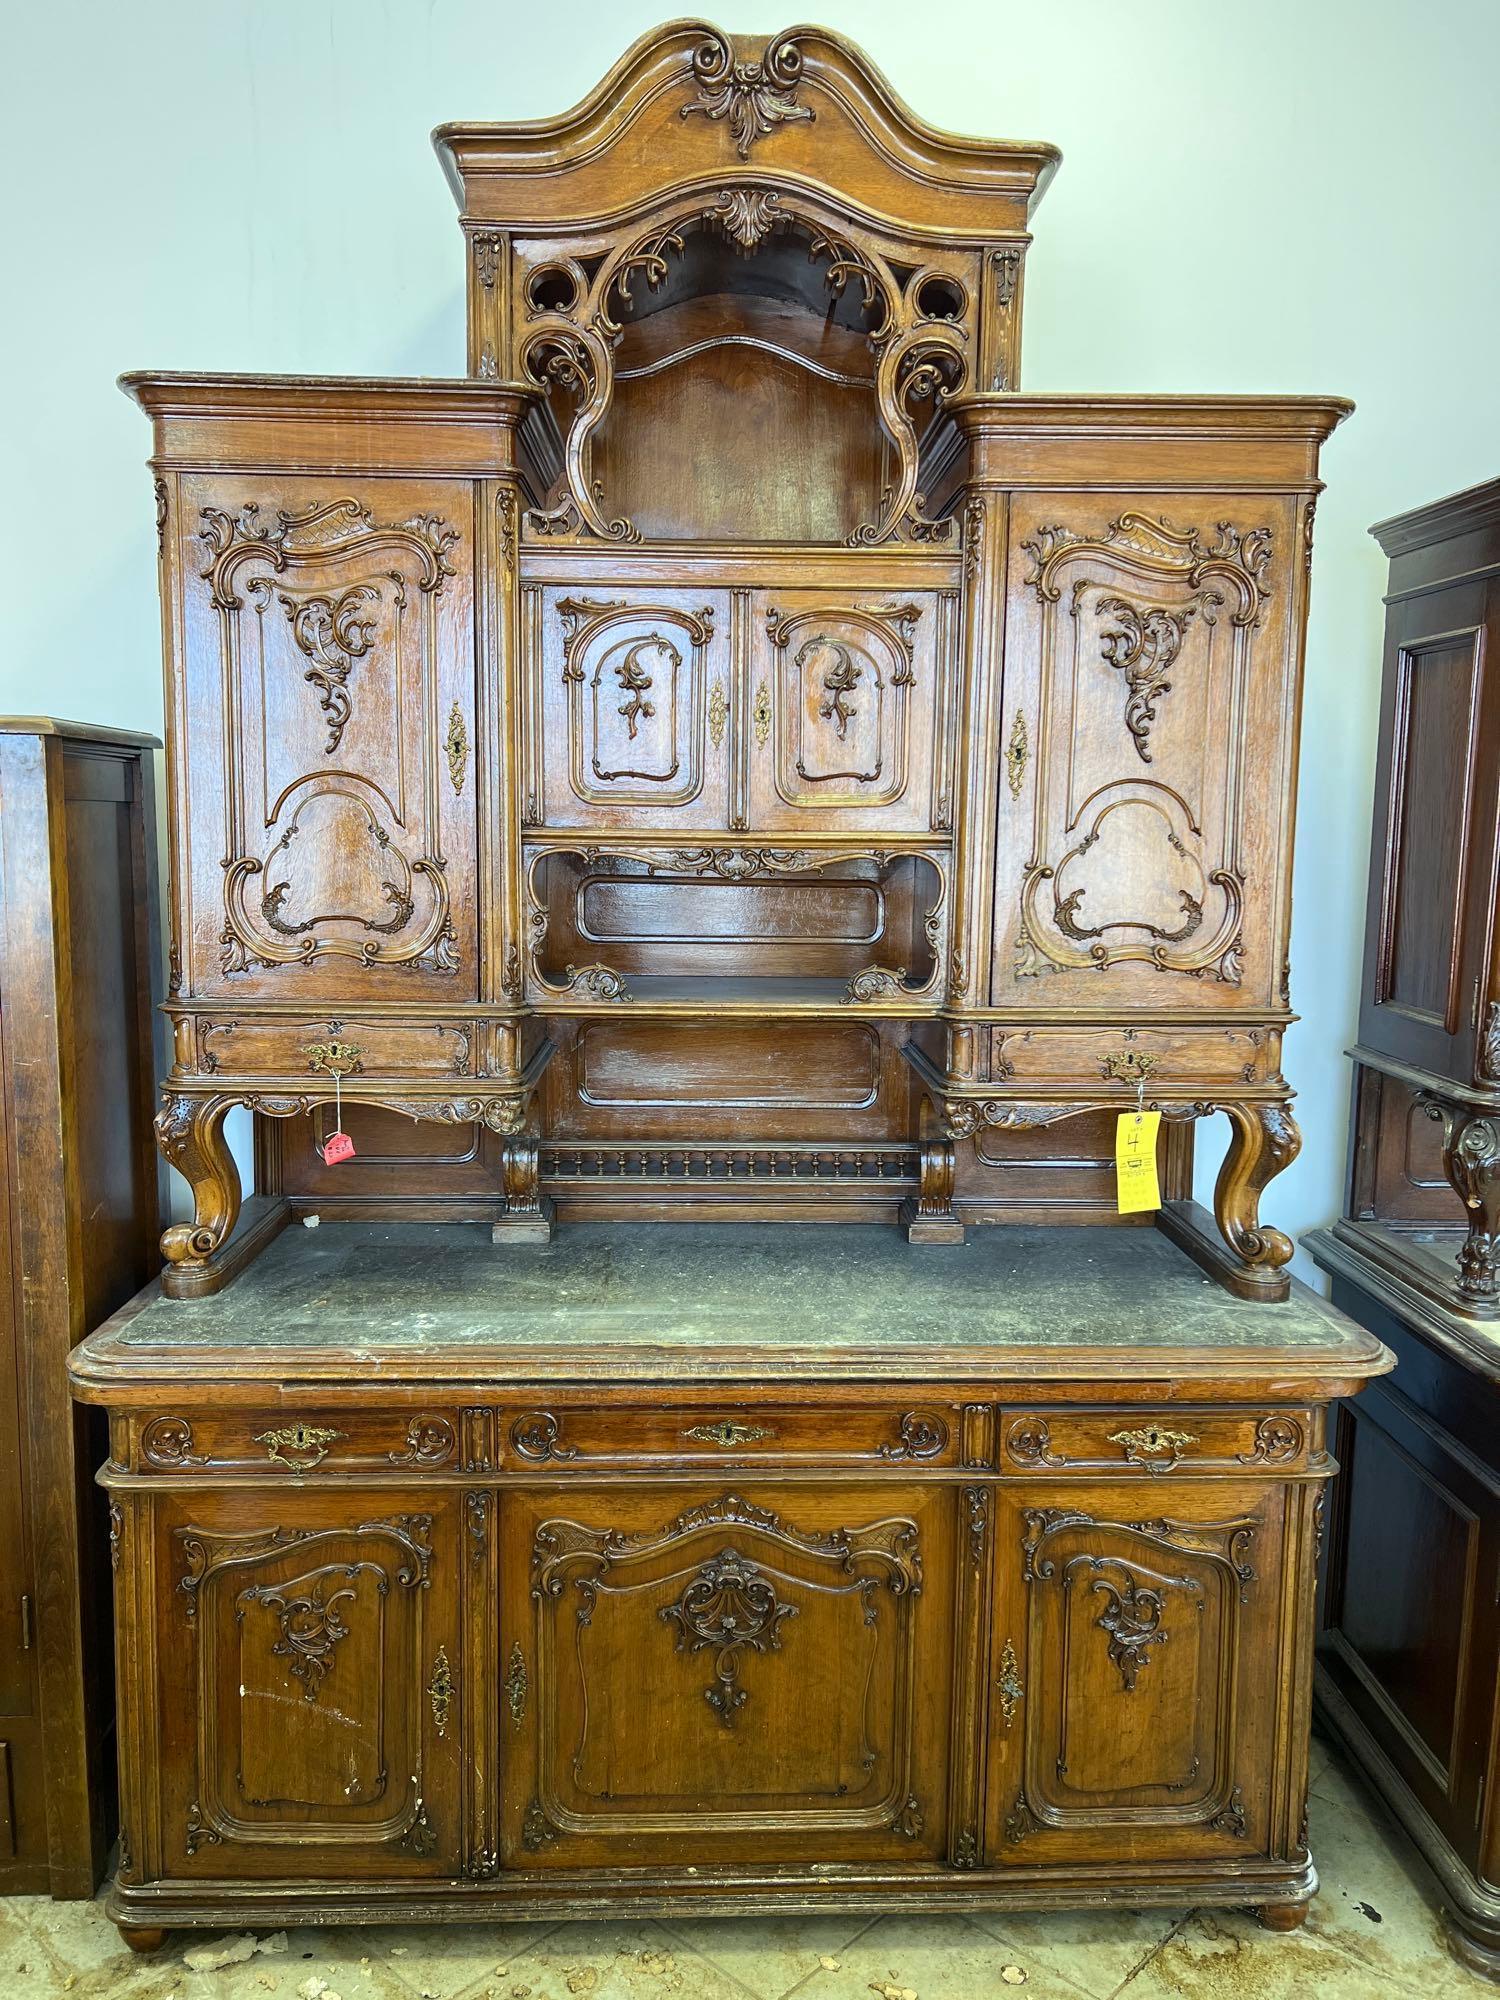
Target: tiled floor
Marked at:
1374, 1932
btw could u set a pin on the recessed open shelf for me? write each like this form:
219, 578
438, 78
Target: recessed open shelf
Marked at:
743, 929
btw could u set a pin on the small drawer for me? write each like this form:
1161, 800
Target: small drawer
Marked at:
294, 1048
1155, 1444
729, 1435
1170, 1059
276, 1441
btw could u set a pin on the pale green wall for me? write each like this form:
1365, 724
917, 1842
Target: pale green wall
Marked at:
1300, 197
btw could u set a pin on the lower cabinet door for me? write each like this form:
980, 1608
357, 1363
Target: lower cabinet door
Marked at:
718, 1677
306, 1659
1137, 1671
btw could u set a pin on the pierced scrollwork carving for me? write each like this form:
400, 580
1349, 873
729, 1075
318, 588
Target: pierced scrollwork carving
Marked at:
730, 1607
751, 97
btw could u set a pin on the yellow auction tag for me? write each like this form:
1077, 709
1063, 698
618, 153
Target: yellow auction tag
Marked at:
1135, 1161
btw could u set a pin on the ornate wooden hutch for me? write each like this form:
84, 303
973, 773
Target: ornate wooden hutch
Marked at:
736, 730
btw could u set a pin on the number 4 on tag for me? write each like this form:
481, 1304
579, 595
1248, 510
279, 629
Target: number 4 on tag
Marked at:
1135, 1161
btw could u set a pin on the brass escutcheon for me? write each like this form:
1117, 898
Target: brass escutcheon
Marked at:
727, 1435
309, 1441
1129, 1065
338, 1058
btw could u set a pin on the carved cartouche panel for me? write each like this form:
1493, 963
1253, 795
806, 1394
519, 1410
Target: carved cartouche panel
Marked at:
843, 679
1140, 842
306, 1677
330, 669
631, 728
781, 1666
1134, 1640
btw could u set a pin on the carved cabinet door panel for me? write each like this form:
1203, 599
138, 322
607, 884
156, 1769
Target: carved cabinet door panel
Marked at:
1137, 1669
307, 1653
1146, 737
627, 703
726, 1678
325, 735
843, 697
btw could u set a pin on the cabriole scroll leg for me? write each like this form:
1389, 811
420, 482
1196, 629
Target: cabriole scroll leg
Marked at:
929, 1216
190, 1133
1264, 1140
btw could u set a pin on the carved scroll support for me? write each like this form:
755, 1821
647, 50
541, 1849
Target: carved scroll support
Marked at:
528, 1212
1471, 1160
929, 1216
1265, 1140
190, 1133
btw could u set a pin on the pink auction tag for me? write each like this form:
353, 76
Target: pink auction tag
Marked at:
337, 1147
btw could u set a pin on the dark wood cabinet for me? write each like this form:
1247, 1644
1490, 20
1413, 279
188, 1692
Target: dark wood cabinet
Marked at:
1427, 1082
614, 1589
80, 1210
1409, 1640
736, 660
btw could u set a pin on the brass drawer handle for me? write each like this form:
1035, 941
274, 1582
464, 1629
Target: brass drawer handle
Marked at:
308, 1442
1143, 1447
727, 1435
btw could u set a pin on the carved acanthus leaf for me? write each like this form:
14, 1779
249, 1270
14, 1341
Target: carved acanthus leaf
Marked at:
752, 98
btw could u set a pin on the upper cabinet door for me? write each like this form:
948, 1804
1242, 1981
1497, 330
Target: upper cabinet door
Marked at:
842, 692
326, 718
1146, 732
1430, 932
628, 705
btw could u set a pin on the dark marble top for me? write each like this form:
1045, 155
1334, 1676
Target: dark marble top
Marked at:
796, 1294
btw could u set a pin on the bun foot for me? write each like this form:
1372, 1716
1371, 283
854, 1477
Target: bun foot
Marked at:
142, 1937
1282, 1916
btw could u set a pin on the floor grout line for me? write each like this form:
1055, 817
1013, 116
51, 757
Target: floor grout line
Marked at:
1172, 1931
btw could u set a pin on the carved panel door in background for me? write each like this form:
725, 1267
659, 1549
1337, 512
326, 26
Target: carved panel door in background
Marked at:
1138, 1672
307, 1668
631, 685
1143, 679
334, 629
726, 1678
843, 698
1429, 931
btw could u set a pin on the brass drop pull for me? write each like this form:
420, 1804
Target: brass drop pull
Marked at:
727, 1435
1010, 1685
440, 1691
299, 1447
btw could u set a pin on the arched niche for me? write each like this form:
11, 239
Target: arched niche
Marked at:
744, 371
